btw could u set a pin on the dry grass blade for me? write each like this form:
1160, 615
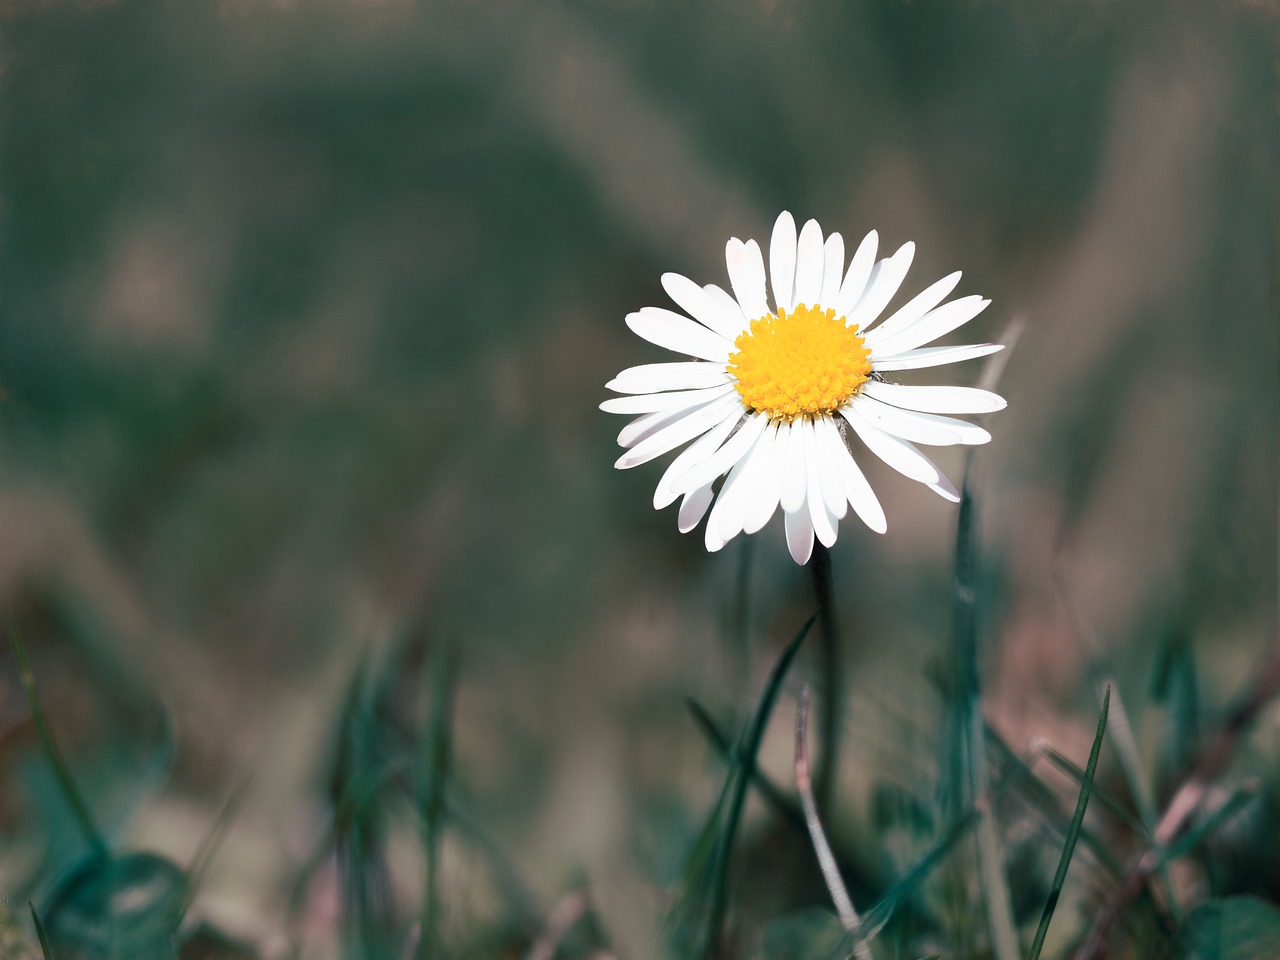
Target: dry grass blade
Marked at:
849, 918
568, 911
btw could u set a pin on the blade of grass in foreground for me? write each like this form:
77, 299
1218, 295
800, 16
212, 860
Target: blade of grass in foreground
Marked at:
74, 798
770, 791
746, 751
44, 941
1073, 832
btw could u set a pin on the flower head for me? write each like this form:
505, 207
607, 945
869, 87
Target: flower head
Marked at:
773, 393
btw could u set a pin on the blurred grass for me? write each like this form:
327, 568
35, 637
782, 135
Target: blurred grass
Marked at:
304, 314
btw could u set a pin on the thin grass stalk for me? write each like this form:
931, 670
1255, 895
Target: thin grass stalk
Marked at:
70, 792
209, 845
747, 749
845, 909
1073, 832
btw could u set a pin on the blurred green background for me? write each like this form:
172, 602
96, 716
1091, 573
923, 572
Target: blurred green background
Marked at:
305, 311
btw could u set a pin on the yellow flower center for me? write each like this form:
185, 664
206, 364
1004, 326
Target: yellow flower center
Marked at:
806, 363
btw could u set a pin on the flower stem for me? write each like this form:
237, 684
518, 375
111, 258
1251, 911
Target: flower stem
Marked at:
829, 650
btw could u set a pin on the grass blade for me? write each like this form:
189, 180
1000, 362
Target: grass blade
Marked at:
1104, 797
209, 845
1073, 832
745, 752
772, 794
44, 941
75, 799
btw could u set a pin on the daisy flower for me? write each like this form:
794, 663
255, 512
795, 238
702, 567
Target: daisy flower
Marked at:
774, 394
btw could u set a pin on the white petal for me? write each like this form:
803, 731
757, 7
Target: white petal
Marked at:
693, 507
712, 538
670, 330
855, 281
823, 526
643, 427
917, 306
782, 261
723, 459
791, 492
896, 452
832, 270
935, 399
692, 299
934, 356
809, 260
746, 488
945, 489
728, 306
678, 432
927, 428
800, 536
861, 497
882, 288
746, 274
696, 452
652, 377
930, 327
828, 471
671, 400
725, 521
768, 485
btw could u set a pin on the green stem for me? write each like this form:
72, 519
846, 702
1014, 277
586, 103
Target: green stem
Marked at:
824, 777
747, 748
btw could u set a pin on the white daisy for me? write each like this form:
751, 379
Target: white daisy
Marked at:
773, 393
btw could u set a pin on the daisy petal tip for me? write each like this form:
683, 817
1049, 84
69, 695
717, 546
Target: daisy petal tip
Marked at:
976, 437
663, 498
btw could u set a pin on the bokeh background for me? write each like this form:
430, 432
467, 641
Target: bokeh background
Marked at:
305, 311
